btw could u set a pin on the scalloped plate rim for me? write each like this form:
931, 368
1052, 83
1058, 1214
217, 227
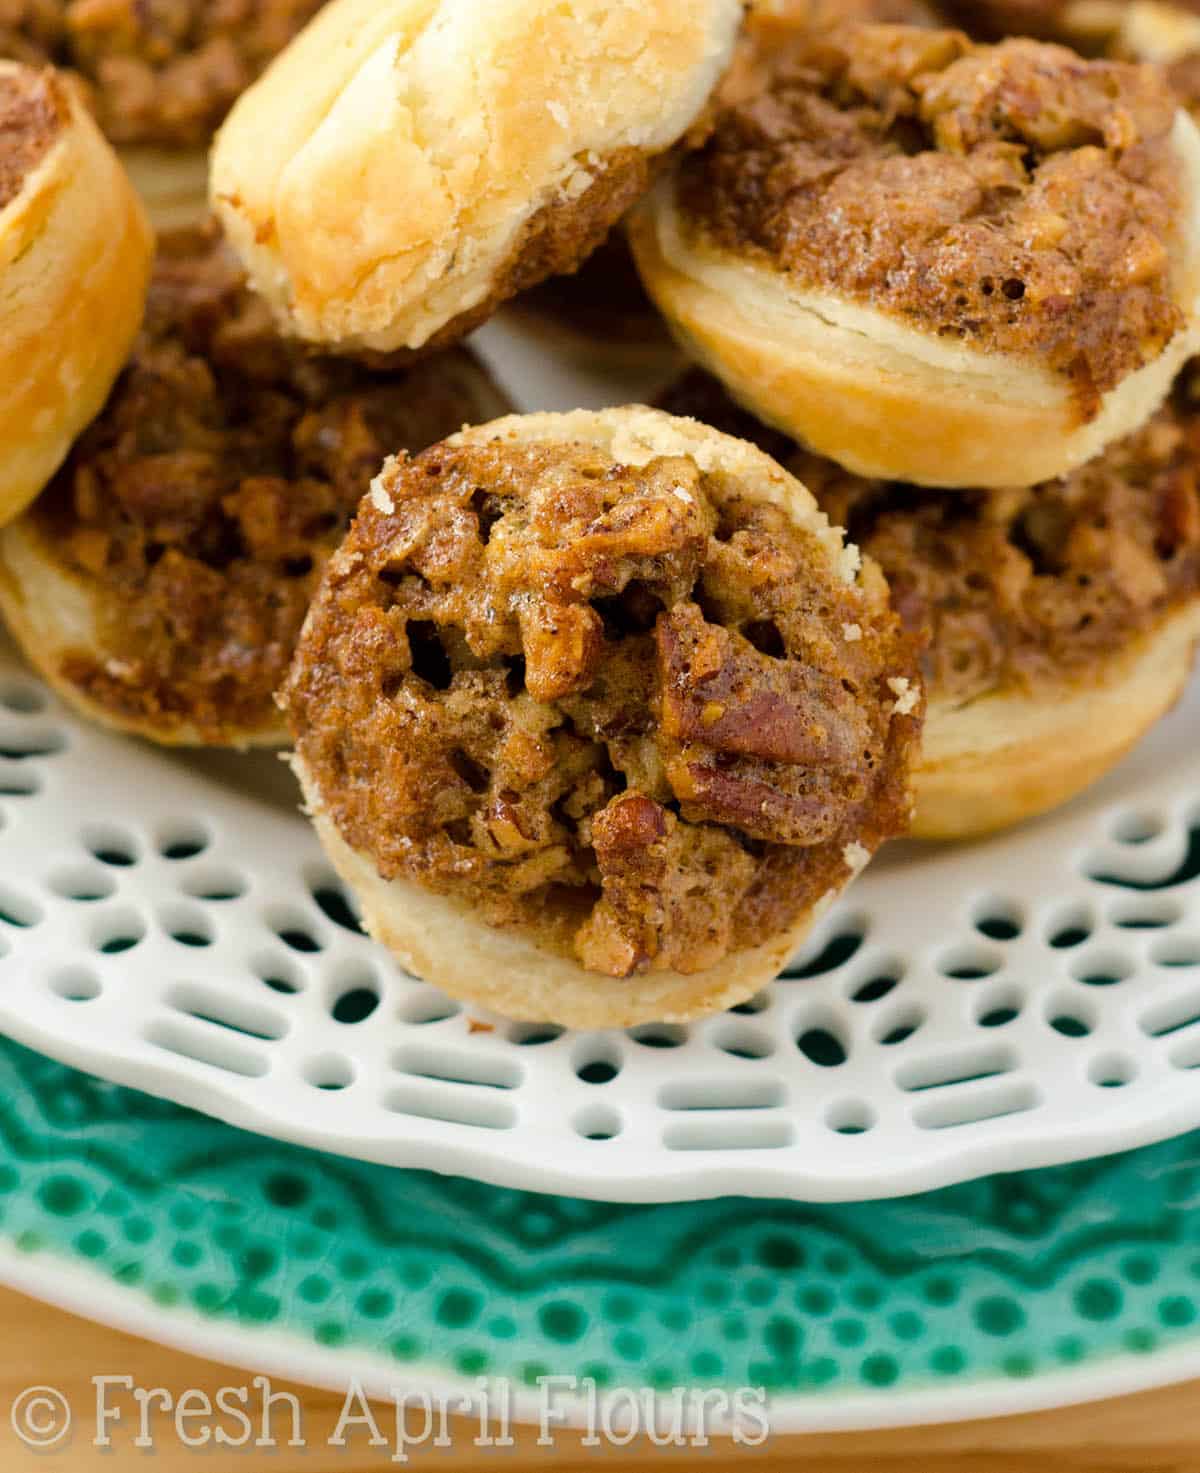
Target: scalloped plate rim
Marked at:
59, 1281
641, 1165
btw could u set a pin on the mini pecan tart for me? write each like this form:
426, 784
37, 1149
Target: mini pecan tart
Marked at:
936, 261
75, 253
596, 712
161, 579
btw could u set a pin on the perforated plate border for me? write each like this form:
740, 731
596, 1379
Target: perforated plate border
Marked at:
170, 923
965, 1052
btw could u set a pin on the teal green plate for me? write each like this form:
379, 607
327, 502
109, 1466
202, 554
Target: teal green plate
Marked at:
1007, 1293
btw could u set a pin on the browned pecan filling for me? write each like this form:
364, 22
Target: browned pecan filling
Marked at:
1018, 588
563, 235
1068, 21
763, 19
1091, 27
1087, 25
1016, 197
203, 501
604, 299
33, 111
1184, 78
159, 72
625, 708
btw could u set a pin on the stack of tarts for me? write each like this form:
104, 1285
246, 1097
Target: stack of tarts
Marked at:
596, 712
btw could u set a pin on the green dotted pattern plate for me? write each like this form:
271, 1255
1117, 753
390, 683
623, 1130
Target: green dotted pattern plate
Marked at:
1007, 1279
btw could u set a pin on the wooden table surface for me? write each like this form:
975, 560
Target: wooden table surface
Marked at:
1157, 1431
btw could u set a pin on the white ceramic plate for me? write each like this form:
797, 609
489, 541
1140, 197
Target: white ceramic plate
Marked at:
170, 923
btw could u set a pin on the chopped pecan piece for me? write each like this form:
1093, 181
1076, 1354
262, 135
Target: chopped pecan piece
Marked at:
658, 906
769, 745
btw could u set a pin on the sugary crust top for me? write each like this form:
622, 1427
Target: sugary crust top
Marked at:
378, 178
